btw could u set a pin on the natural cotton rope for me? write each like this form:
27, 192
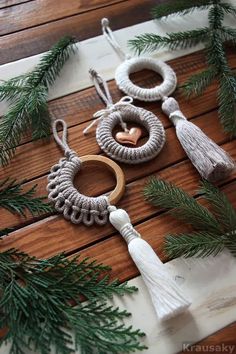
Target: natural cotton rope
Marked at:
121, 113
131, 65
211, 161
75, 206
166, 296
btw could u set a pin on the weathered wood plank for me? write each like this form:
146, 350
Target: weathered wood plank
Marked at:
20, 17
123, 267
182, 174
85, 25
79, 236
7, 3
225, 335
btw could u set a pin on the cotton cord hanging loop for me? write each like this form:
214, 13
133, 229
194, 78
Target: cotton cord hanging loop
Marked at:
62, 142
107, 32
121, 113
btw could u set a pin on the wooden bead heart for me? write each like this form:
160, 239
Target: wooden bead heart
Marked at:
131, 137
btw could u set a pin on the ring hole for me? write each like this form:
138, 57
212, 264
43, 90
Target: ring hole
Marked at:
146, 78
94, 180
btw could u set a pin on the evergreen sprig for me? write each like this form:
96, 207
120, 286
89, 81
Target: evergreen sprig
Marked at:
27, 95
36, 309
214, 228
17, 201
213, 37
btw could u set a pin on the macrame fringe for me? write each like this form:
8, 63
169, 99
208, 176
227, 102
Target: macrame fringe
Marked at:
211, 161
166, 296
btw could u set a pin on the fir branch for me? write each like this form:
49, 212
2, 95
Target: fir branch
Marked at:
27, 95
35, 305
180, 7
213, 38
181, 205
51, 63
198, 83
227, 102
13, 199
200, 244
151, 42
228, 8
222, 208
206, 239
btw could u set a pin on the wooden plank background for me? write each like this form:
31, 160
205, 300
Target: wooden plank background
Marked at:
23, 33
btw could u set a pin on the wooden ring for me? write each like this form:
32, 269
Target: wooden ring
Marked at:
119, 190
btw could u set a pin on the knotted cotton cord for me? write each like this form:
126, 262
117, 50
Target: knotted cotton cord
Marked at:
107, 32
75, 206
104, 93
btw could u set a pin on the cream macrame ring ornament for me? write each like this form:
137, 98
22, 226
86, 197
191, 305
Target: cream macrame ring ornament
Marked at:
75, 206
129, 66
126, 154
119, 114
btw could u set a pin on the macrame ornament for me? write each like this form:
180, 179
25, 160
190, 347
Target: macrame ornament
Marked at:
121, 113
166, 296
211, 161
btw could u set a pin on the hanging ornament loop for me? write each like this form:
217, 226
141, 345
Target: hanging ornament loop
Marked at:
62, 142
107, 32
104, 93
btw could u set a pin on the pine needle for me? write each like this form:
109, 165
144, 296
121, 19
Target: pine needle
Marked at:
213, 38
181, 205
27, 95
180, 7
212, 231
150, 42
13, 199
222, 208
198, 244
35, 307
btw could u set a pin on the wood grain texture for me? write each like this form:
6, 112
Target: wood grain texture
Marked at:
17, 18
9, 3
85, 25
225, 336
80, 236
50, 234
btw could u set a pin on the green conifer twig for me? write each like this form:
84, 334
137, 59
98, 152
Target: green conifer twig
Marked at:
213, 230
213, 37
27, 95
36, 311
15, 200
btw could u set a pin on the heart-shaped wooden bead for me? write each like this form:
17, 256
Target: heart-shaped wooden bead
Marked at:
131, 137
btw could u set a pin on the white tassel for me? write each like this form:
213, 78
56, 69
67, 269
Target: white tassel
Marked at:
211, 161
166, 296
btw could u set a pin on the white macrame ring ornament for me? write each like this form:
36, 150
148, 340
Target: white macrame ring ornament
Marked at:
129, 66
121, 153
67, 200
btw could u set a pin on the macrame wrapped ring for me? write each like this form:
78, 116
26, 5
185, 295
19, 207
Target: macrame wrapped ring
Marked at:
67, 199
129, 113
145, 94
